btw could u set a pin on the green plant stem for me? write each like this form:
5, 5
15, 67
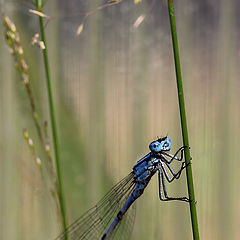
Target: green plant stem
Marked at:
191, 194
53, 120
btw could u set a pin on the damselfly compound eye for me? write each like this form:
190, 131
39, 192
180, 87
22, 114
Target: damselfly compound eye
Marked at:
162, 144
165, 143
155, 147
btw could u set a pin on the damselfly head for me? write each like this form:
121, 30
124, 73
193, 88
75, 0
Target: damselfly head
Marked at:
162, 144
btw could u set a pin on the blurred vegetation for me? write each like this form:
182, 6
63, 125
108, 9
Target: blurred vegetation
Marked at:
115, 91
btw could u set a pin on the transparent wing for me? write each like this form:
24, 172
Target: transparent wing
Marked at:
94, 223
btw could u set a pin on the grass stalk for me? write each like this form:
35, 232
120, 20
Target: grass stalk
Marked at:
39, 6
190, 185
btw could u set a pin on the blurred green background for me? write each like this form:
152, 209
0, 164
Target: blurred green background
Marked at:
115, 91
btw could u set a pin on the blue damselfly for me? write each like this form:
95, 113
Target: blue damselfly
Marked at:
113, 216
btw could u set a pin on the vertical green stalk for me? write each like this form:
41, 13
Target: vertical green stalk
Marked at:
39, 5
192, 203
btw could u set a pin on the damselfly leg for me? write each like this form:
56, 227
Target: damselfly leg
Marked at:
175, 157
175, 175
161, 183
162, 175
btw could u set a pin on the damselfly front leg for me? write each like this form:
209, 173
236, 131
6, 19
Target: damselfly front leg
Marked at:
174, 157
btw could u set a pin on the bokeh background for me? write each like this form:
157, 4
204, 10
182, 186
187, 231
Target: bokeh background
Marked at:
115, 91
